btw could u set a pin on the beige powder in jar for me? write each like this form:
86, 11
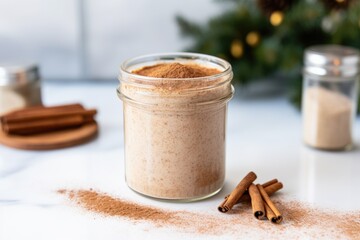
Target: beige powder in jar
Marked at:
327, 119
10, 100
175, 151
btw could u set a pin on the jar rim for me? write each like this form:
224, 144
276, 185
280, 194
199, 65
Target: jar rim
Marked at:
173, 56
223, 100
18, 74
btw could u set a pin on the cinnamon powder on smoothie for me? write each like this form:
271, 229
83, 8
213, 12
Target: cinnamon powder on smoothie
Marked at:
176, 70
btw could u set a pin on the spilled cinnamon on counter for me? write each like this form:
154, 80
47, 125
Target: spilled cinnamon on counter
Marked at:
109, 206
302, 221
176, 70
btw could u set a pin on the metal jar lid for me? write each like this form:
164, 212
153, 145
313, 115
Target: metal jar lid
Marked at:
332, 61
18, 75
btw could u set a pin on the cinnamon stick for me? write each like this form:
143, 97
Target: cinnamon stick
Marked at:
34, 109
43, 125
270, 187
237, 192
44, 119
272, 213
46, 113
269, 183
270, 190
222, 205
256, 202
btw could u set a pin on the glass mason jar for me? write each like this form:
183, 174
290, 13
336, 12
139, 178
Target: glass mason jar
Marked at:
174, 128
19, 87
330, 91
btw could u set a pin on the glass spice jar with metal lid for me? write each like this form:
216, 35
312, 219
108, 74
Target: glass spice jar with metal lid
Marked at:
19, 87
330, 91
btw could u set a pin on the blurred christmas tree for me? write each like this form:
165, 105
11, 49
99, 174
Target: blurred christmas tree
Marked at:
267, 38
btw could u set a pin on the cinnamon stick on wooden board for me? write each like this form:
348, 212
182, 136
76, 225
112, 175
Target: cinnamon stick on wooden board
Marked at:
45, 113
46, 125
58, 108
272, 213
257, 203
45, 119
239, 190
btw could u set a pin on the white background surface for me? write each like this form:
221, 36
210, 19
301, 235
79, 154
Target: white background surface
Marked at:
263, 136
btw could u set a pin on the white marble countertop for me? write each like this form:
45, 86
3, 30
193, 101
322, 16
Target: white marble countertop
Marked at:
264, 135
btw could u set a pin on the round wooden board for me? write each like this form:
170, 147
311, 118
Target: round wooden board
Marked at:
52, 140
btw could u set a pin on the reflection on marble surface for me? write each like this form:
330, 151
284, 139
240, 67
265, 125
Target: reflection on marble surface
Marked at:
263, 136
330, 178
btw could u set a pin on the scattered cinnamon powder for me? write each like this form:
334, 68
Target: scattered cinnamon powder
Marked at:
300, 220
109, 206
176, 70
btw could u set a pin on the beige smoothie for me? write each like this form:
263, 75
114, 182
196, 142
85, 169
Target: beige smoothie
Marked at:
175, 130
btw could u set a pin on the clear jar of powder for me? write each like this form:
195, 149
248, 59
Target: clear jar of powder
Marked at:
175, 128
19, 87
330, 91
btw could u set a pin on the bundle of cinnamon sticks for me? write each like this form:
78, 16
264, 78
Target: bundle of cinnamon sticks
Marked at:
40, 119
262, 206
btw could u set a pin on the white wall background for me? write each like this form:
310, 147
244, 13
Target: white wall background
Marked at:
88, 39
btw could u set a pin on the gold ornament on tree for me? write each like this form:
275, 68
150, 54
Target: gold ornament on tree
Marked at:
237, 48
253, 38
276, 18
